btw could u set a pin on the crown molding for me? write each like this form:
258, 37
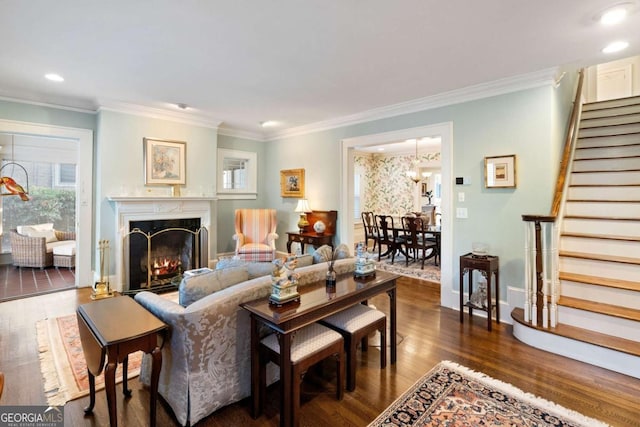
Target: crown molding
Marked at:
48, 105
162, 114
457, 96
240, 133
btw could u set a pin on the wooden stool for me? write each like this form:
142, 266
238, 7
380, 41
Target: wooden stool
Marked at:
355, 324
309, 346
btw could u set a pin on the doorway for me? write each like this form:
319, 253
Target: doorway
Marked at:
348, 147
83, 138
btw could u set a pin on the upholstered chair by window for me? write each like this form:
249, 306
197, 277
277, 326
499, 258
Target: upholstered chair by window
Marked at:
256, 234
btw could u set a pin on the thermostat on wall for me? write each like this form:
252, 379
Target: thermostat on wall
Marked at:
463, 180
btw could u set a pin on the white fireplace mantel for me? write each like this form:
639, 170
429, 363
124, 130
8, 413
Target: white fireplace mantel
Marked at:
133, 208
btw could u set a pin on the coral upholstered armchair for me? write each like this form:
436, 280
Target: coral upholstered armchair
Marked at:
256, 234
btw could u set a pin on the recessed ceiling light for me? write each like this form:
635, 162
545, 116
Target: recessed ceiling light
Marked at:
54, 77
381, 149
614, 15
615, 47
268, 123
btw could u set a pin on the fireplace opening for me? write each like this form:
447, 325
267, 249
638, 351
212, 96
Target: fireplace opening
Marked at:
160, 251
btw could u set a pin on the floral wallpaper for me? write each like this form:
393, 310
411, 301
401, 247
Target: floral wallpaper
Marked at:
386, 189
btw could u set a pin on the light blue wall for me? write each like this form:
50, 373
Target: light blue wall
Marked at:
46, 115
226, 208
119, 153
524, 123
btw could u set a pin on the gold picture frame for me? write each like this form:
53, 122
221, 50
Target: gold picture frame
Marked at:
500, 171
165, 162
292, 183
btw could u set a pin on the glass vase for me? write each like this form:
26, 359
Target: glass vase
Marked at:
331, 277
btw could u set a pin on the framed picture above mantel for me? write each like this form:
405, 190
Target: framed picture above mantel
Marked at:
165, 162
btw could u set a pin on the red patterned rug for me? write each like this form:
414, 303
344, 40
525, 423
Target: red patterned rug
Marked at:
452, 395
64, 369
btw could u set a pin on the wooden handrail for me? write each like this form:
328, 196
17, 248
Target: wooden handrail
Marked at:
572, 132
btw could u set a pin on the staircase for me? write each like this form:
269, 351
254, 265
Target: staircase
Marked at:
599, 246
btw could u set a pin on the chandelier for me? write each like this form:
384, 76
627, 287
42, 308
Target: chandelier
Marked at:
414, 174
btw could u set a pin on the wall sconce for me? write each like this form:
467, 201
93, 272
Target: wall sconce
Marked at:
303, 208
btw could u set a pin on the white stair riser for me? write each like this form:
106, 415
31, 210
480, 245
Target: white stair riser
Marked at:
612, 103
605, 141
606, 164
611, 270
605, 193
621, 248
602, 294
593, 178
609, 112
619, 209
609, 121
609, 130
616, 228
608, 152
622, 328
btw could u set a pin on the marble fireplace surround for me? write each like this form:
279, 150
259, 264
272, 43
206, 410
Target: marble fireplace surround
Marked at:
129, 209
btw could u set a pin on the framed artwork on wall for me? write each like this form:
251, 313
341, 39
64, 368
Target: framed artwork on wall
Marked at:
500, 171
292, 183
165, 162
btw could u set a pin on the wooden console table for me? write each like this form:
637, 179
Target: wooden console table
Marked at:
487, 266
309, 236
315, 304
112, 329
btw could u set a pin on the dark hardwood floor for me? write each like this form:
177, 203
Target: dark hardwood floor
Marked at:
429, 334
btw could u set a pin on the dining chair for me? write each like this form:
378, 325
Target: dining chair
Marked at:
309, 346
370, 229
387, 235
416, 239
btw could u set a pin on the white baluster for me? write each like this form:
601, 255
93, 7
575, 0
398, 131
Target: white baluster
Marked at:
545, 274
527, 271
555, 278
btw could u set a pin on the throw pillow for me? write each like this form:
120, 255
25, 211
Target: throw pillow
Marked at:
49, 235
22, 229
324, 253
196, 287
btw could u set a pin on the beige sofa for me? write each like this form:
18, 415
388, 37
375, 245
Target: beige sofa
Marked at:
206, 361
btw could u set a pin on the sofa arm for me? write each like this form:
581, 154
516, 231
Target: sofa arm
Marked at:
65, 235
164, 309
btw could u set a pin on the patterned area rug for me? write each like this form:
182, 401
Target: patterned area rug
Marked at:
431, 272
62, 363
452, 395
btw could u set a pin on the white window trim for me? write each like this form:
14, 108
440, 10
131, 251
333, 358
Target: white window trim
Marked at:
251, 192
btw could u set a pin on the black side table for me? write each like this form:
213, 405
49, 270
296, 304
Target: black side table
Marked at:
486, 265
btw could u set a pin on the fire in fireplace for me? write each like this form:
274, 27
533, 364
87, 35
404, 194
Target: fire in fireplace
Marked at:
159, 251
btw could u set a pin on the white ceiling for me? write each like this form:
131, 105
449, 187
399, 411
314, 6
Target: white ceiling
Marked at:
297, 62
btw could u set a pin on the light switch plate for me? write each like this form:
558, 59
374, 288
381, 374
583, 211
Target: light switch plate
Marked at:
461, 213
461, 196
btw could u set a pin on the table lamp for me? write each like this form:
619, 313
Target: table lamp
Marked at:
303, 208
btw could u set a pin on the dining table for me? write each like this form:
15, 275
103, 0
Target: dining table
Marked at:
396, 235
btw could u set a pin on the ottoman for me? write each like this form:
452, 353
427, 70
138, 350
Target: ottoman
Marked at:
64, 255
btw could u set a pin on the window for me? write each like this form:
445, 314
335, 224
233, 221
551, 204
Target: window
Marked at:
357, 200
237, 174
65, 175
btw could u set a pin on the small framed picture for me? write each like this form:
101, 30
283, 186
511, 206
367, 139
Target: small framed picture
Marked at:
292, 183
165, 162
500, 171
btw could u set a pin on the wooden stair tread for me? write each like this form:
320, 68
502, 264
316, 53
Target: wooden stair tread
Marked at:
607, 171
600, 147
601, 236
600, 307
599, 257
600, 281
584, 335
606, 158
604, 218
